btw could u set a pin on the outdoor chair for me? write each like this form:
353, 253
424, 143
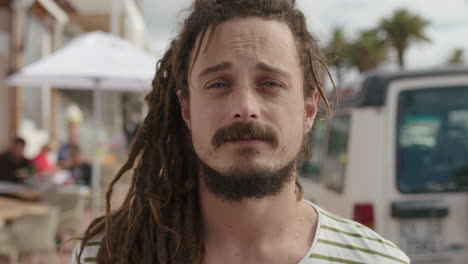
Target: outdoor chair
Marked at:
71, 206
36, 234
7, 248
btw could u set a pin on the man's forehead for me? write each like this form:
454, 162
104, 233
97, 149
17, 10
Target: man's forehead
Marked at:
249, 30
256, 37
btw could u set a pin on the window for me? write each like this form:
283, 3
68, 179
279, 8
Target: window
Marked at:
432, 150
337, 152
310, 168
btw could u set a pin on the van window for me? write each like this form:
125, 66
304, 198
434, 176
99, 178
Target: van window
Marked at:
432, 151
310, 168
337, 152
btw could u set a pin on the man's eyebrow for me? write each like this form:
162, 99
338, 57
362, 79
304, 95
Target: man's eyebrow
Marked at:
261, 66
216, 68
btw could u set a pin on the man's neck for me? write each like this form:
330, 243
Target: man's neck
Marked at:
258, 226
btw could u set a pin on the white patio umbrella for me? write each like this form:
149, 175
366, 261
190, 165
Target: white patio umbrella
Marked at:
95, 61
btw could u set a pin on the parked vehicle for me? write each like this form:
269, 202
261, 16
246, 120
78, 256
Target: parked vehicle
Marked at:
395, 158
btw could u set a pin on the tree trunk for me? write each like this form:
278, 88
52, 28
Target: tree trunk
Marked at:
401, 58
339, 76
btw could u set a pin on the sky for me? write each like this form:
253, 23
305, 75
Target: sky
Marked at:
448, 27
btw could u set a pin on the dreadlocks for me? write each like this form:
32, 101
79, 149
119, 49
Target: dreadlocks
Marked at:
159, 220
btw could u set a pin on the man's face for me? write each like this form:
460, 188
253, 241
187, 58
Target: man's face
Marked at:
17, 151
247, 111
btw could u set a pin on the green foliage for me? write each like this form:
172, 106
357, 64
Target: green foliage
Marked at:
456, 57
371, 47
402, 29
335, 52
368, 51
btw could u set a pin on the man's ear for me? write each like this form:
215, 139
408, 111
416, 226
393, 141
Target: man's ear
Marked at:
310, 111
184, 108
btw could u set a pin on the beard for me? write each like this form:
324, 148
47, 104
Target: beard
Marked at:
237, 182
234, 185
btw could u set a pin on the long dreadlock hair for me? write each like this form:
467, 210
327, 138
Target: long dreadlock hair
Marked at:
159, 220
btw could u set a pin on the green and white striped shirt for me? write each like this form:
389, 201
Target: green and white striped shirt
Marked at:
337, 240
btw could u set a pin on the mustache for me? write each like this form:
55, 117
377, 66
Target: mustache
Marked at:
238, 130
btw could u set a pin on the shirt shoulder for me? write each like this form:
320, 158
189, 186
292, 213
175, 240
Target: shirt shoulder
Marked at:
63, 152
340, 240
89, 254
4, 157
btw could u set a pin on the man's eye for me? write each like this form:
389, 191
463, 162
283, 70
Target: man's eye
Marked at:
217, 85
271, 84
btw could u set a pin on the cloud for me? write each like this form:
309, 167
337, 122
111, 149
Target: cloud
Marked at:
162, 17
437, 52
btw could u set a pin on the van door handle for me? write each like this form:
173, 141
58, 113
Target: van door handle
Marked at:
456, 247
419, 209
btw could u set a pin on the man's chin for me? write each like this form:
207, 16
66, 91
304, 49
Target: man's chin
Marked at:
244, 181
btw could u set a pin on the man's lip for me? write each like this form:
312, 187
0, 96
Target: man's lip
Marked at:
245, 141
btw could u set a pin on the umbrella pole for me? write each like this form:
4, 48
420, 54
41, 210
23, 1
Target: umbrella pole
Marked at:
96, 171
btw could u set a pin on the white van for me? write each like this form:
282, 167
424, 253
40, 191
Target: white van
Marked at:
395, 158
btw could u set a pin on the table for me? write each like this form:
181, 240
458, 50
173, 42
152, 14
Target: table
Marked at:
21, 191
11, 209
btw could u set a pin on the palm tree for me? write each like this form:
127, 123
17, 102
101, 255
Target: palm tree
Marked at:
335, 51
403, 29
368, 51
456, 57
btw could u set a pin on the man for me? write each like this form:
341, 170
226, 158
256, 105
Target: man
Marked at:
130, 128
14, 167
64, 158
42, 162
79, 168
215, 180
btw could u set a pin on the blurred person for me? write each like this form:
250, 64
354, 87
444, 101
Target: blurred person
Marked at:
42, 162
214, 163
64, 158
14, 167
131, 127
79, 168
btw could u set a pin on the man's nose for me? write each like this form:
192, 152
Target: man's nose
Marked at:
245, 105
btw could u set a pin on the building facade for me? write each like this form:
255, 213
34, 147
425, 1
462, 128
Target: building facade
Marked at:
32, 29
